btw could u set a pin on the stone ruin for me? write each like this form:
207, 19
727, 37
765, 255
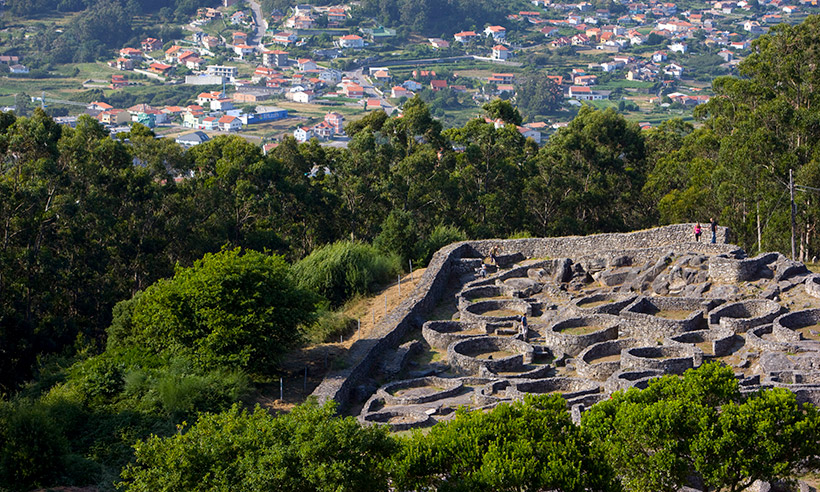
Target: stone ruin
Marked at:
606, 312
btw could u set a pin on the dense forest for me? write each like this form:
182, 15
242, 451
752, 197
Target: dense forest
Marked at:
141, 284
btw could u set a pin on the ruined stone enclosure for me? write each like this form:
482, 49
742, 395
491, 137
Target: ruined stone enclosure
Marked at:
605, 312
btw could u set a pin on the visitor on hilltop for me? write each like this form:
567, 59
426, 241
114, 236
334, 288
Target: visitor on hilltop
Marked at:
713, 226
698, 232
524, 325
482, 272
494, 254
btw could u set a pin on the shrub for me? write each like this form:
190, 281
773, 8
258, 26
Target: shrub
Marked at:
307, 449
343, 269
230, 310
32, 447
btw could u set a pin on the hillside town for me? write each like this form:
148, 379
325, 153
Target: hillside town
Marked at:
651, 59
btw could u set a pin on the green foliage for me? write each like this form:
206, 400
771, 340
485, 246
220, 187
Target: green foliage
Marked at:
440, 237
344, 269
399, 235
529, 445
536, 94
433, 17
307, 449
32, 450
755, 130
329, 326
700, 426
503, 110
590, 177
228, 310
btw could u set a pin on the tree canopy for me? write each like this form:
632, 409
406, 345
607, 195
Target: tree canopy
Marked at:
526, 445
701, 427
230, 309
308, 449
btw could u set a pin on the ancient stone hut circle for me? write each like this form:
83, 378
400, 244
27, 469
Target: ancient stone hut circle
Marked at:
606, 312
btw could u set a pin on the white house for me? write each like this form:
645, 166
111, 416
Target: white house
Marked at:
530, 133
303, 96
500, 52
351, 41
585, 94
497, 32
243, 50
303, 134
399, 91
230, 123
679, 47
306, 64
465, 36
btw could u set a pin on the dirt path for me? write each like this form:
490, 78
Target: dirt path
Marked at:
304, 369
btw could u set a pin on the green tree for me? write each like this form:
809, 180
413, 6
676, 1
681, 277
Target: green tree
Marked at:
537, 94
701, 426
305, 450
589, 177
503, 110
529, 445
228, 310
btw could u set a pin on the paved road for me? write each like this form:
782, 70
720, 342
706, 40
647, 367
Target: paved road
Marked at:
261, 24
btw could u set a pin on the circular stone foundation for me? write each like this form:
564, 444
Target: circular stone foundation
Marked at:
569, 388
599, 361
420, 390
741, 316
669, 359
797, 326
398, 420
496, 310
717, 342
571, 336
495, 353
440, 334
609, 303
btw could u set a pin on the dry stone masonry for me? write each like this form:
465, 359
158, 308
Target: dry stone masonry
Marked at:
605, 312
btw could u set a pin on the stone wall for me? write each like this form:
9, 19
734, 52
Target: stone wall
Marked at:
641, 324
411, 313
741, 316
676, 235
575, 344
670, 359
461, 361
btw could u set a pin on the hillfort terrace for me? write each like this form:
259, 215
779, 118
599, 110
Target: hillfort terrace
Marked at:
582, 317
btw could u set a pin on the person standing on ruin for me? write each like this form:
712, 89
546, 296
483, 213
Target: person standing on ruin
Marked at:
494, 254
698, 232
524, 325
713, 227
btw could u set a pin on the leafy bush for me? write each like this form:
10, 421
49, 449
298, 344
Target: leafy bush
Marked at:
133, 379
343, 269
229, 310
307, 449
529, 445
32, 448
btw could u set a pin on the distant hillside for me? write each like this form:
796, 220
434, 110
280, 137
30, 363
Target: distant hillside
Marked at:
439, 17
